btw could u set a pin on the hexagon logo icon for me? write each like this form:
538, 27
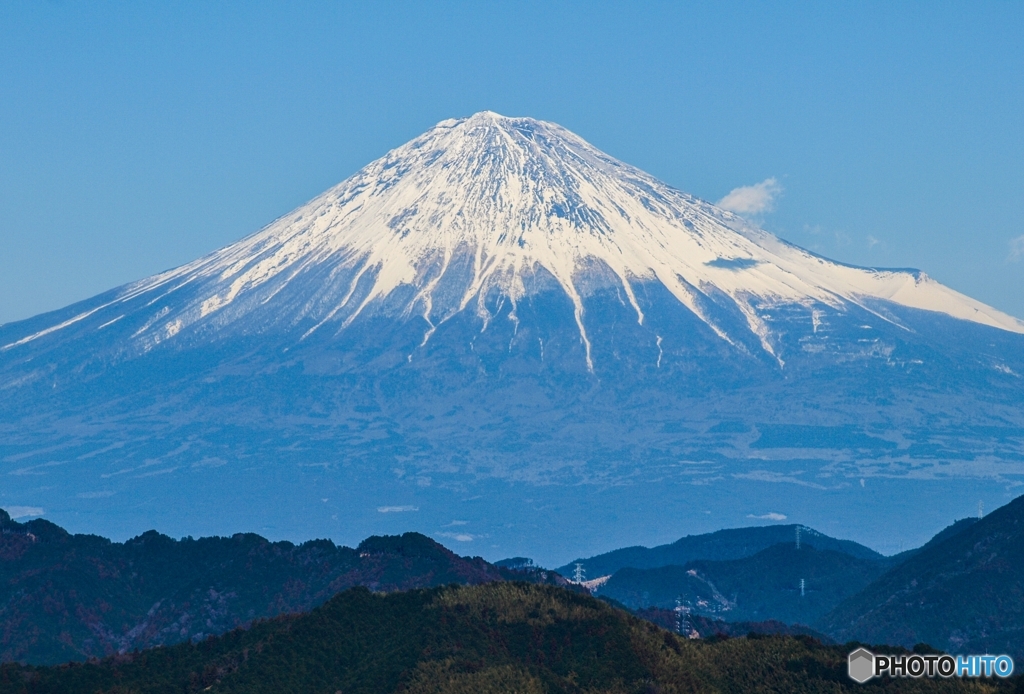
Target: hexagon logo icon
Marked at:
861, 665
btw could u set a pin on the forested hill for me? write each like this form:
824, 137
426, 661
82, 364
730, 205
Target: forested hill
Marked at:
498, 637
70, 597
766, 586
962, 592
721, 545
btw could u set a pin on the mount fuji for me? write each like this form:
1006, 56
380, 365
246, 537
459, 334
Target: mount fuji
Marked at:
499, 335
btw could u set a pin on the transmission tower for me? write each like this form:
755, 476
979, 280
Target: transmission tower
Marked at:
579, 574
981, 509
798, 537
801, 587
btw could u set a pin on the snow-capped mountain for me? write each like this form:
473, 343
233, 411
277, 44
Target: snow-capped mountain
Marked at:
499, 302
489, 206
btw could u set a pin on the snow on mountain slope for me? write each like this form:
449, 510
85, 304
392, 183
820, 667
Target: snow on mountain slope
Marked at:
490, 203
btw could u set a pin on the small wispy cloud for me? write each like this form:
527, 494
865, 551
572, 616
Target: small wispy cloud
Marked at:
165, 471
459, 537
769, 476
769, 516
833, 238
397, 509
210, 462
23, 511
752, 200
1016, 249
94, 495
34, 469
872, 242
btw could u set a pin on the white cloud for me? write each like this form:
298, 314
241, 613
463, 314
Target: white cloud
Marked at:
165, 471
212, 462
33, 469
753, 200
23, 511
396, 509
1017, 248
769, 476
459, 537
769, 516
94, 495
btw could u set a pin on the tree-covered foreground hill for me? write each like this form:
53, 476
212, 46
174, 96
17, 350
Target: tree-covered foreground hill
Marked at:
70, 597
498, 637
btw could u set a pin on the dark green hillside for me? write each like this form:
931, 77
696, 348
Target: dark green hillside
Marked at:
498, 637
963, 593
700, 626
69, 597
733, 543
765, 586
954, 528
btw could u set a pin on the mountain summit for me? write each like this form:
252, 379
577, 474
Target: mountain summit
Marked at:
499, 311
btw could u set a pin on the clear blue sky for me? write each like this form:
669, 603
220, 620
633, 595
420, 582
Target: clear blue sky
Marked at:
137, 136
